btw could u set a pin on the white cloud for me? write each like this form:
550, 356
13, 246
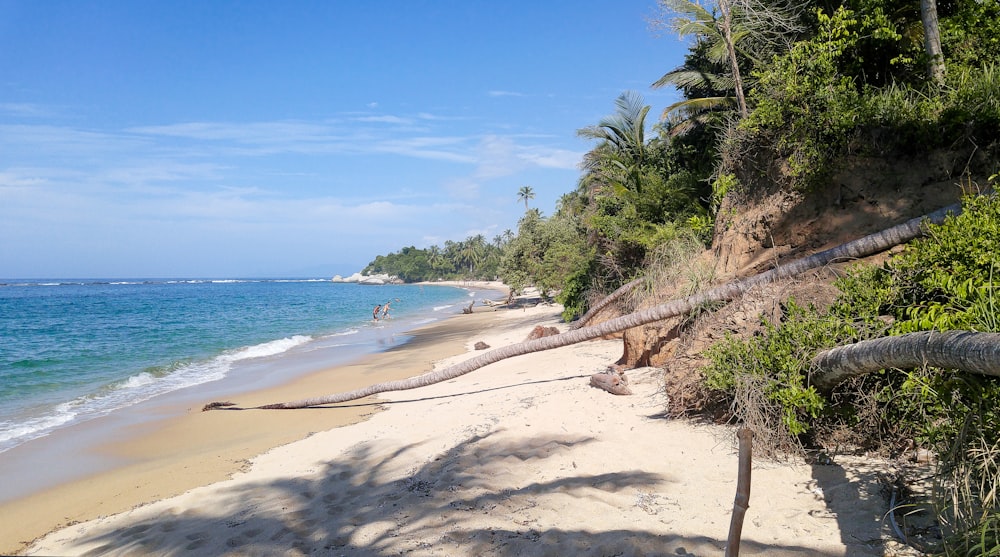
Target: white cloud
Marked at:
553, 158
505, 94
385, 119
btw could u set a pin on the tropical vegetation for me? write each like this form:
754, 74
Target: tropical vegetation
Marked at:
780, 96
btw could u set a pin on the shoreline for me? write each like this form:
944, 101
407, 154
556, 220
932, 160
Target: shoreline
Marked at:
521, 457
179, 448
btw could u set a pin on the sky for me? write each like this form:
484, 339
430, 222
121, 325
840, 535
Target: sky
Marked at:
224, 139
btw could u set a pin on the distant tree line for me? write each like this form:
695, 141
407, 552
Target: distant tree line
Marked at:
474, 258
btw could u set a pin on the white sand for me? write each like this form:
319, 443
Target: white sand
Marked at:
521, 457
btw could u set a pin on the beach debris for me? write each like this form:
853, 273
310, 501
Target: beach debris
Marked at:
468, 309
216, 405
612, 380
540, 331
481, 345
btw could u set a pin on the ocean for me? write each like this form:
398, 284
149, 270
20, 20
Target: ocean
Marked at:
76, 350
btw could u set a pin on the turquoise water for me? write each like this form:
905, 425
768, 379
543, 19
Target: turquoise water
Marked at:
73, 350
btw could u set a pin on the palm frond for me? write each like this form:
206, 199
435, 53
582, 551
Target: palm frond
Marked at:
685, 77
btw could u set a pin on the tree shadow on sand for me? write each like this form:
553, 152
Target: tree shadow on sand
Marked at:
371, 500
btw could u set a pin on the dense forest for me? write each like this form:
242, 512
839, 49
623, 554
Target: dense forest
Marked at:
784, 97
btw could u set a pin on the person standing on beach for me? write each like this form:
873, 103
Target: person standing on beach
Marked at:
375, 312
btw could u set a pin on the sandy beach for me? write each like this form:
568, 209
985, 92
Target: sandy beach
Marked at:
521, 457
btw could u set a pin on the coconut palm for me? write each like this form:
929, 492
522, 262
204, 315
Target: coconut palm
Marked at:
969, 351
932, 41
525, 194
735, 31
863, 247
607, 300
622, 153
473, 252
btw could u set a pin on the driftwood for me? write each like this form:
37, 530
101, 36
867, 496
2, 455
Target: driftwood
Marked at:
963, 350
540, 331
612, 381
606, 301
863, 247
468, 309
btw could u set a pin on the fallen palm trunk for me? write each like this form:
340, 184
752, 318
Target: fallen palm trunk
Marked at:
862, 247
606, 301
963, 350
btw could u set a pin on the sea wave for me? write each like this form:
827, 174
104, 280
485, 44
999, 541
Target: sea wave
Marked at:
138, 388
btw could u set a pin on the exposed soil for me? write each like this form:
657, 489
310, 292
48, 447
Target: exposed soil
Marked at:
754, 235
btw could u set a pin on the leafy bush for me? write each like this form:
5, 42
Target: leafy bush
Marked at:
780, 355
951, 275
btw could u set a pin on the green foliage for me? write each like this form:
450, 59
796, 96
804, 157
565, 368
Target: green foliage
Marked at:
546, 253
780, 356
573, 295
721, 187
944, 281
804, 105
472, 258
970, 34
952, 275
857, 85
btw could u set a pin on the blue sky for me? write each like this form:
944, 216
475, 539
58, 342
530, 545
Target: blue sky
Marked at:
260, 139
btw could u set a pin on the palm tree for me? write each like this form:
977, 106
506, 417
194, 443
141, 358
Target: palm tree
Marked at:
863, 247
622, 153
963, 350
435, 258
525, 194
932, 41
748, 30
694, 19
473, 252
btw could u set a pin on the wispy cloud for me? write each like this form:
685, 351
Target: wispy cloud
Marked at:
386, 119
498, 93
26, 110
250, 132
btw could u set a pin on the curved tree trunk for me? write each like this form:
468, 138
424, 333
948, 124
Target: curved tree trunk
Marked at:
727, 34
964, 350
606, 301
863, 247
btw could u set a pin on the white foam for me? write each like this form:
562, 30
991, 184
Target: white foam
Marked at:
266, 349
13, 434
138, 388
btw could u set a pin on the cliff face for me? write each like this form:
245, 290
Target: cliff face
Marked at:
755, 233
865, 196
